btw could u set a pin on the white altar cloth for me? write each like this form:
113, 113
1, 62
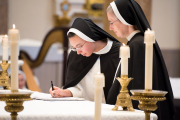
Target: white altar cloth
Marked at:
175, 83
70, 110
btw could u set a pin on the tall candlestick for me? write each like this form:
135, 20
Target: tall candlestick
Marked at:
99, 83
149, 40
14, 38
124, 55
5, 45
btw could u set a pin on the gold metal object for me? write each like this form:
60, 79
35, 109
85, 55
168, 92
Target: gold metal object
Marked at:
14, 101
4, 78
94, 12
148, 89
124, 99
65, 6
148, 99
14, 91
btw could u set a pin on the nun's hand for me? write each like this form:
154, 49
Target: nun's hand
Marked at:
58, 92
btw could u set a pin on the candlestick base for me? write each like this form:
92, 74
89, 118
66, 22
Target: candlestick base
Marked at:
4, 78
14, 101
124, 99
148, 100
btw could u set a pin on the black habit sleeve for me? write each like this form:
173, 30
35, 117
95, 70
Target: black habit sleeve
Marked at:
77, 67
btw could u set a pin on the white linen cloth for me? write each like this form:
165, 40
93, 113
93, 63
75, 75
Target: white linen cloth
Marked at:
175, 83
85, 88
70, 110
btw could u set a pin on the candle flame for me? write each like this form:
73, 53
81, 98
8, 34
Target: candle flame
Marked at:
5, 35
14, 26
148, 29
124, 44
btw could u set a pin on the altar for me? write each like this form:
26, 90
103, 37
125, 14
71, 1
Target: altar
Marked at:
70, 110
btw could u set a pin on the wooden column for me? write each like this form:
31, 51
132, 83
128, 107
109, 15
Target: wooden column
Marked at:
3, 16
145, 5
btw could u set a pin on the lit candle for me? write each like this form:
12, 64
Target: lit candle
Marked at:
149, 39
124, 55
99, 83
5, 45
14, 38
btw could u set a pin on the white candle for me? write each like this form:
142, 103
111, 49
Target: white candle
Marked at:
99, 83
124, 55
5, 45
14, 38
149, 39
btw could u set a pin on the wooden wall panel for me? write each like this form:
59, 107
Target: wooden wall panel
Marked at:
3, 16
146, 6
172, 61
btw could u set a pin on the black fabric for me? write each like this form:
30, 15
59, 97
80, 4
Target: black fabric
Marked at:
78, 66
124, 7
129, 9
87, 27
132, 13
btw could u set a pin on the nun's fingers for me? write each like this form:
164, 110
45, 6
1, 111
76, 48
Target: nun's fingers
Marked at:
53, 94
56, 88
56, 93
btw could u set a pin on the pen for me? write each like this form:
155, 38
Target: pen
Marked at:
52, 85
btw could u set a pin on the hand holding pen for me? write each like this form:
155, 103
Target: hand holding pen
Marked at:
52, 87
57, 92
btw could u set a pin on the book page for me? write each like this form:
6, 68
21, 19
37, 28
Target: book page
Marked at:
48, 97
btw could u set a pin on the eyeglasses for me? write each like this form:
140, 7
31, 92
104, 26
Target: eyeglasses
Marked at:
78, 48
111, 23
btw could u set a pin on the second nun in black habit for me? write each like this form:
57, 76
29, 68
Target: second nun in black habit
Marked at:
93, 50
127, 20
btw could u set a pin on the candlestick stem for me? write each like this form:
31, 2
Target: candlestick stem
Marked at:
14, 115
147, 115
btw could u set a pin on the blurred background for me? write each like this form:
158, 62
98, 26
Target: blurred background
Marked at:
44, 46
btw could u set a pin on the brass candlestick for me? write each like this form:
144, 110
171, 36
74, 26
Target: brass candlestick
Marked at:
124, 99
148, 100
4, 78
14, 101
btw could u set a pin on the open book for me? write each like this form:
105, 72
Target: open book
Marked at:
48, 97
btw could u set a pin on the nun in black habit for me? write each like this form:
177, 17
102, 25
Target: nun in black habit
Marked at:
93, 50
128, 20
